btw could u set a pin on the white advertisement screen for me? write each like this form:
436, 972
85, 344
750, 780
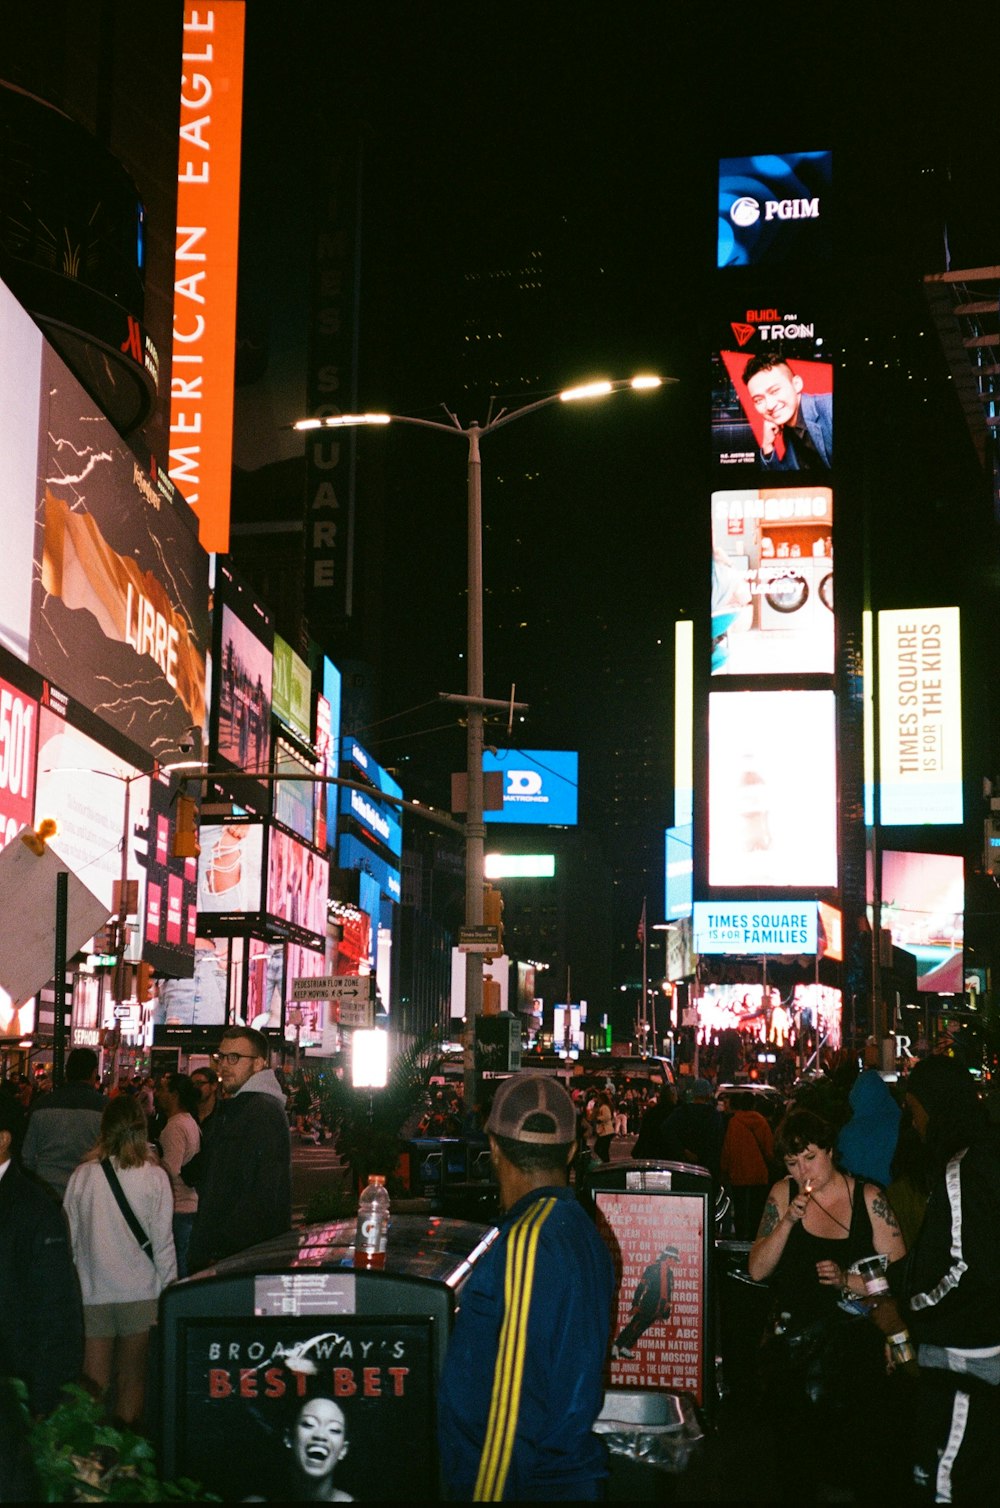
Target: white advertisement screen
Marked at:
20, 392
920, 716
923, 906
772, 789
230, 867
84, 788
772, 581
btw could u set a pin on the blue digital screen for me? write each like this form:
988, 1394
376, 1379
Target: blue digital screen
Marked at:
353, 854
775, 209
370, 768
679, 879
374, 816
539, 786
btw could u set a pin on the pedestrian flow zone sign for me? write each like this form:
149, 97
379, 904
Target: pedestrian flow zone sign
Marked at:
353, 993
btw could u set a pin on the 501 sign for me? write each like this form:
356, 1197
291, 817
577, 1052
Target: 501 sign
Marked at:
18, 726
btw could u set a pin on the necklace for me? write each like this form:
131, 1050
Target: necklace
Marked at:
829, 1214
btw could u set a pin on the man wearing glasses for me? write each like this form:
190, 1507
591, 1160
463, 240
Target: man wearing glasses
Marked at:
245, 1183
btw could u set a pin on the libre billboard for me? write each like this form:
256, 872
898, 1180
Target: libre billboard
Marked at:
920, 716
738, 927
539, 786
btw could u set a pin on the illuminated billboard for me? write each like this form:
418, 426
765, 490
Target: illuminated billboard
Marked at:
84, 787
18, 734
20, 396
519, 866
683, 723
230, 869
353, 854
679, 871
294, 802
171, 889
774, 209
539, 786
120, 601
297, 884
772, 785
291, 690
377, 818
772, 401
328, 740
923, 906
920, 716
205, 260
740, 927
772, 581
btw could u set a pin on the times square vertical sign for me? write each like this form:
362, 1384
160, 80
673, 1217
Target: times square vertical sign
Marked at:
772, 708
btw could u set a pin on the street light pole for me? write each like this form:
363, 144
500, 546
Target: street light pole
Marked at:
475, 831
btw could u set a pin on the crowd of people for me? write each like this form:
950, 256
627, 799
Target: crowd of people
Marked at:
873, 1231
105, 1200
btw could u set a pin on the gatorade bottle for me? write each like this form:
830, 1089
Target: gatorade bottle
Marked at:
373, 1224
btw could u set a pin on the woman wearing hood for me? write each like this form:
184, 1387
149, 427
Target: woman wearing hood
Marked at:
865, 1146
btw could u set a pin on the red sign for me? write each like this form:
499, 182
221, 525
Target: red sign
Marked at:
18, 736
658, 1243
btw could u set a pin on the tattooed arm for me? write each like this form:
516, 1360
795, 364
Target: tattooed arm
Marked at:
885, 1227
775, 1224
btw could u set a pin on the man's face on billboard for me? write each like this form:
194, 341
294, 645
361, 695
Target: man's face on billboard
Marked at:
775, 394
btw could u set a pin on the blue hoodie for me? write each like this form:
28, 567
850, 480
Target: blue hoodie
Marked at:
867, 1143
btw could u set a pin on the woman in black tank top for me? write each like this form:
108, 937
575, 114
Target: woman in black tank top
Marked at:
823, 1369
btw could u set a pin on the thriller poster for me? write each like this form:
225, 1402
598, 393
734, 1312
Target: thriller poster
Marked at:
658, 1244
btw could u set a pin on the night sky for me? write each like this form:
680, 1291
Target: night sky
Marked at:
589, 134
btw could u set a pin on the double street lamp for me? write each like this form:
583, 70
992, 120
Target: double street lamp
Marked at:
474, 699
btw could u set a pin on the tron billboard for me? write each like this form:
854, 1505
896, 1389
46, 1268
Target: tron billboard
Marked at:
772, 392
920, 716
539, 786
741, 927
774, 209
772, 581
772, 784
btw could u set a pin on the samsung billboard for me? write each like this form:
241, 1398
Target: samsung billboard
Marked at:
739, 927
539, 786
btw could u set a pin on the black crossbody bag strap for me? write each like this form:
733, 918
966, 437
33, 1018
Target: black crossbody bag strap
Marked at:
126, 1209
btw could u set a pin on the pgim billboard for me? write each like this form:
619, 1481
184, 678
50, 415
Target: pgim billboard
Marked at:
772, 785
775, 208
920, 716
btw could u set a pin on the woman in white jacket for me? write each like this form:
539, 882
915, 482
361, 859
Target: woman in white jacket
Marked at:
120, 1280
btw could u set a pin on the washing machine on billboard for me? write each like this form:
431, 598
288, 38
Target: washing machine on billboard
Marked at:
796, 593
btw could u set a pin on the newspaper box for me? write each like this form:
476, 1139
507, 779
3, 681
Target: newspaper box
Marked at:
253, 1348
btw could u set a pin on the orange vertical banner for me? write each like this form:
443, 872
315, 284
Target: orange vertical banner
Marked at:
205, 265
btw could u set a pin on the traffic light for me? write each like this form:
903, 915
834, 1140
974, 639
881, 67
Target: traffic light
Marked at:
186, 844
143, 980
36, 841
491, 997
493, 917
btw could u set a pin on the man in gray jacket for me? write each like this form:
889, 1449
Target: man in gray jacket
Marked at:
65, 1124
244, 1173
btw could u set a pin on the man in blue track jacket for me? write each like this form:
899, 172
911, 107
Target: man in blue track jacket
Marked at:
522, 1381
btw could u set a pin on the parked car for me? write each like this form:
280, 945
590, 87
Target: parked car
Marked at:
768, 1100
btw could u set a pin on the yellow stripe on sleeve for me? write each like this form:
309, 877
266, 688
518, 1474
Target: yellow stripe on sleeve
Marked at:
508, 1373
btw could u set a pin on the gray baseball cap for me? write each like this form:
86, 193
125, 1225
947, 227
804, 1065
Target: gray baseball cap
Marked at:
528, 1094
